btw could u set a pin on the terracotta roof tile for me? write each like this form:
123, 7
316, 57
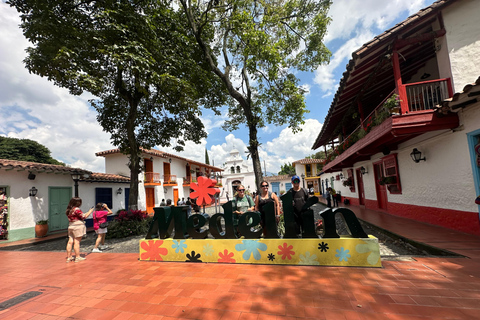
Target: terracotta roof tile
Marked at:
106, 177
308, 161
36, 167
160, 154
465, 98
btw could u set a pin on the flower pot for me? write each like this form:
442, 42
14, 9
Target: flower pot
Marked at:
41, 230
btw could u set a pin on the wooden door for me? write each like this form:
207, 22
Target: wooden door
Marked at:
175, 196
59, 197
382, 198
361, 189
166, 172
150, 199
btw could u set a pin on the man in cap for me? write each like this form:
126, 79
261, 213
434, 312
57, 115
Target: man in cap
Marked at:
300, 196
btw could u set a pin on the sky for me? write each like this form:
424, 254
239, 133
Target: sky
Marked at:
33, 108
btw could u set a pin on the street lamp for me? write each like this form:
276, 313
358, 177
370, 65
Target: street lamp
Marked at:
417, 156
75, 178
303, 179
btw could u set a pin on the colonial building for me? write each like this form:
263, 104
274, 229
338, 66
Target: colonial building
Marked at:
397, 136
236, 172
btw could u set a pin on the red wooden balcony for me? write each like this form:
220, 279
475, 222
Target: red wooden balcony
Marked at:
188, 180
384, 129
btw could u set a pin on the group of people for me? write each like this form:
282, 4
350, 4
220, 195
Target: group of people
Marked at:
244, 203
77, 228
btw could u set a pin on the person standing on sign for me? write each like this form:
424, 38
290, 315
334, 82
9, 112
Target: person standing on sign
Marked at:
241, 204
262, 199
299, 196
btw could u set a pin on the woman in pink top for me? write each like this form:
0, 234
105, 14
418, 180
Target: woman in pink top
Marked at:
99, 217
76, 228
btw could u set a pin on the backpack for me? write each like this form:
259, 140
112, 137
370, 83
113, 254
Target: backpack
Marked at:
249, 199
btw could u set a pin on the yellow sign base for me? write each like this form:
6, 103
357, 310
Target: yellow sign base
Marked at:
340, 252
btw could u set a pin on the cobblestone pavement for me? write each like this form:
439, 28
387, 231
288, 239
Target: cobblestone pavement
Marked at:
390, 248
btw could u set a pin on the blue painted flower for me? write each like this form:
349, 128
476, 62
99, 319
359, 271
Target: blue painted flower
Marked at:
179, 245
308, 259
342, 254
251, 247
208, 249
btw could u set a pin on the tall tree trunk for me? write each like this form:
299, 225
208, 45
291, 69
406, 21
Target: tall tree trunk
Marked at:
134, 156
253, 149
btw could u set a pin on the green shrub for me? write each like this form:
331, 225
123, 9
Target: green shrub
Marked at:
129, 223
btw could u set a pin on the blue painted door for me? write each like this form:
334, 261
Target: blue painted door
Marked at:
288, 186
275, 187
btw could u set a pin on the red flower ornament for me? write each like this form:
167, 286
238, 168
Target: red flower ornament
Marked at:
204, 190
226, 257
153, 250
286, 251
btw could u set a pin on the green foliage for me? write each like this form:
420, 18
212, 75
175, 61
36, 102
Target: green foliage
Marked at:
138, 59
287, 168
25, 150
261, 44
129, 223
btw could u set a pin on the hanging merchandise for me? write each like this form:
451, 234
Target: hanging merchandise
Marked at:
3, 214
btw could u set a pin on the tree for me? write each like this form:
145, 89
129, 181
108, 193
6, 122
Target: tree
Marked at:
137, 57
287, 168
260, 43
25, 150
207, 160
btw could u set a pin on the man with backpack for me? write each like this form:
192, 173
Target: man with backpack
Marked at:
299, 196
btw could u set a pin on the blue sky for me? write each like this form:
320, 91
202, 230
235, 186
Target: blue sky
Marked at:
33, 108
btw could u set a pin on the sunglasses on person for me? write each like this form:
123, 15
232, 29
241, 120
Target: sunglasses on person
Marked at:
264, 185
240, 190
296, 181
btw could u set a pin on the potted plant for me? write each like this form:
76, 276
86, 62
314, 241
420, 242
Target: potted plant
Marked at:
387, 180
348, 182
41, 228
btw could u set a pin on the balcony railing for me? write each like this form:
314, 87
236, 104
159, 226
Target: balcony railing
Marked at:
152, 177
428, 94
169, 179
188, 180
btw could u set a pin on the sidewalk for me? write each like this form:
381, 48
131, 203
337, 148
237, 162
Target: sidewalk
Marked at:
118, 286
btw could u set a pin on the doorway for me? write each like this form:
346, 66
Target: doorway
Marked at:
59, 197
361, 189
150, 199
175, 196
381, 190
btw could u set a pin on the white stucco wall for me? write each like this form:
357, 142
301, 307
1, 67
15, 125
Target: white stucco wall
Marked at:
463, 41
117, 164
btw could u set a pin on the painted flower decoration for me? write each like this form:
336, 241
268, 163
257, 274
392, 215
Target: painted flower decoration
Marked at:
193, 257
271, 256
179, 245
153, 251
343, 254
371, 247
251, 247
309, 260
203, 190
226, 257
323, 246
286, 251
208, 249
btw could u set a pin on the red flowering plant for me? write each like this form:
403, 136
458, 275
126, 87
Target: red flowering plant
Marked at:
129, 223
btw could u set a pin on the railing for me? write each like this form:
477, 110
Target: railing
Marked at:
428, 94
169, 179
152, 177
188, 180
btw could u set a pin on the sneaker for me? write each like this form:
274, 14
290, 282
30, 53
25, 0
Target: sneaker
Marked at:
96, 250
103, 247
78, 259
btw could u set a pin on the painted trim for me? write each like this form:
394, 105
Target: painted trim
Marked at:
20, 234
472, 141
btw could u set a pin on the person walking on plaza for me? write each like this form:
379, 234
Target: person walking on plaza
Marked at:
99, 219
333, 193
262, 199
76, 228
163, 204
299, 196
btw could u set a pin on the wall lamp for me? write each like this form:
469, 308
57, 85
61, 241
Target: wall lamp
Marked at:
417, 156
341, 175
33, 192
119, 191
363, 170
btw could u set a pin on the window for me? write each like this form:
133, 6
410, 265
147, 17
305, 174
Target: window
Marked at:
238, 169
232, 169
350, 177
391, 178
104, 195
